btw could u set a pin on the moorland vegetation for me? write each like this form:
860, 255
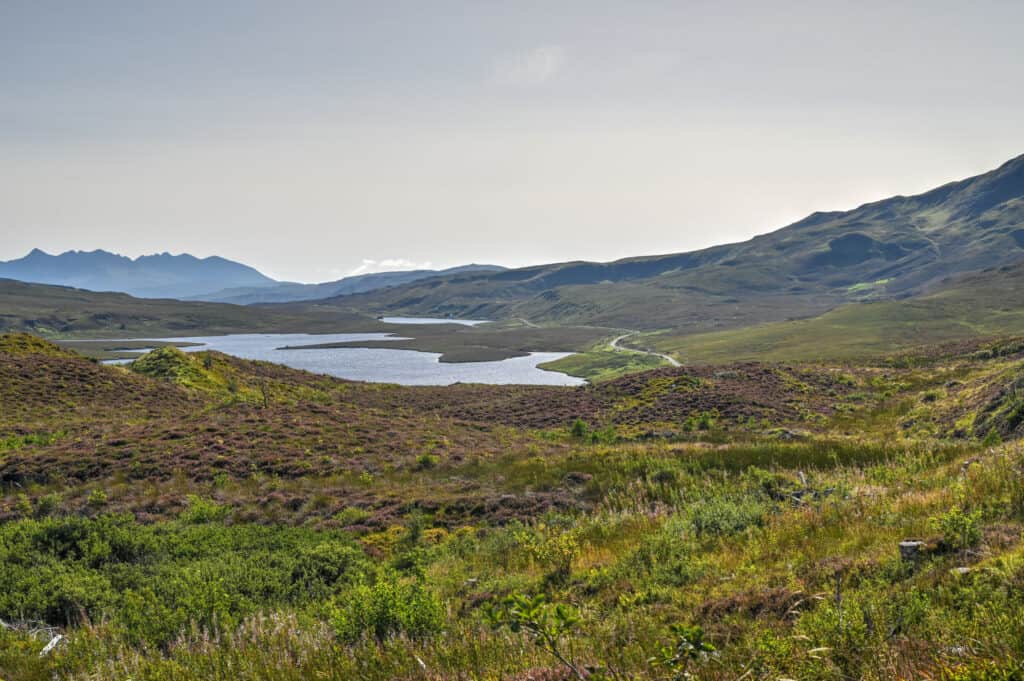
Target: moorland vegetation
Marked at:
197, 516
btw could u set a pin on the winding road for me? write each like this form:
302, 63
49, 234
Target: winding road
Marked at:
614, 344
618, 348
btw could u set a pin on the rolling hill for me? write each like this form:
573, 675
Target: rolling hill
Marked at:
60, 311
984, 304
889, 249
284, 292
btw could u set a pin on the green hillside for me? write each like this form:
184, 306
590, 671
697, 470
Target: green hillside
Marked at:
985, 304
883, 250
61, 312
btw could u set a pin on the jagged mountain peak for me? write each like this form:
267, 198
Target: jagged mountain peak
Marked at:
160, 275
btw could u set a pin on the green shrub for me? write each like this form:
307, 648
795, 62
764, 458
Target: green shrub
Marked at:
426, 462
34, 439
47, 505
705, 420
773, 485
720, 516
605, 436
666, 556
154, 582
23, 506
321, 568
850, 629
552, 549
387, 608
352, 515
960, 530
547, 624
993, 438
687, 645
97, 498
199, 510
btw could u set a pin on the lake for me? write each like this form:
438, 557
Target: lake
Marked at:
431, 320
379, 365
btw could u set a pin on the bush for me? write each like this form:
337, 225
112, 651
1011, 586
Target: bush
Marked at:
718, 516
426, 462
993, 439
666, 556
153, 582
960, 530
201, 510
687, 645
550, 548
47, 505
705, 420
97, 498
319, 569
352, 515
854, 627
775, 486
387, 608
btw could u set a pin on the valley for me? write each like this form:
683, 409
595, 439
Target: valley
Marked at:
797, 457
477, 341
936, 267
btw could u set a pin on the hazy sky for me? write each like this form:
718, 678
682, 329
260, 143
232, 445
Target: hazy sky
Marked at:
314, 139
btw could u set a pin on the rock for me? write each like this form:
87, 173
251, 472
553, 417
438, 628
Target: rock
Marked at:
910, 549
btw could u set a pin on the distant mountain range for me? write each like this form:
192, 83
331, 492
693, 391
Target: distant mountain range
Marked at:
148, 276
897, 248
186, 277
889, 249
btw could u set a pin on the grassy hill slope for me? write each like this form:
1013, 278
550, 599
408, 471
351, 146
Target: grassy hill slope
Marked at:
887, 249
979, 305
59, 311
290, 291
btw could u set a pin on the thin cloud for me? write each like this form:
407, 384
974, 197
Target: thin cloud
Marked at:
389, 265
531, 68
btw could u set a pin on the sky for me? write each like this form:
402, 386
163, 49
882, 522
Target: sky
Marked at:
317, 139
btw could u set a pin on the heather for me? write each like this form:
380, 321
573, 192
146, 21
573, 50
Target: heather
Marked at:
201, 517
